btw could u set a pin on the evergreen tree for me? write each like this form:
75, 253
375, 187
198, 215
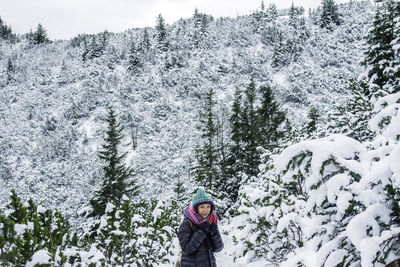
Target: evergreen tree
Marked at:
206, 171
145, 43
270, 120
92, 49
352, 117
236, 152
117, 179
134, 63
40, 36
162, 34
279, 57
329, 14
10, 70
5, 31
381, 55
27, 229
313, 117
250, 131
272, 12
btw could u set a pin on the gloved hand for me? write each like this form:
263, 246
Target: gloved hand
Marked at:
205, 227
213, 229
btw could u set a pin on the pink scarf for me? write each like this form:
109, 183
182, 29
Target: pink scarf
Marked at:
196, 218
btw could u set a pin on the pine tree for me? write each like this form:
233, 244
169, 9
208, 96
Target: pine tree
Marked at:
134, 63
26, 229
145, 43
156, 242
279, 57
329, 14
5, 31
10, 70
270, 120
272, 12
236, 154
313, 117
352, 117
250, 131
117, 179
381, 55
162, 34
206, 171
40, 36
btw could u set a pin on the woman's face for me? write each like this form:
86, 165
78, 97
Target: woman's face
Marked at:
204, 210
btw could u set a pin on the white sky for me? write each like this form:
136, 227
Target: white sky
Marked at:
64, 19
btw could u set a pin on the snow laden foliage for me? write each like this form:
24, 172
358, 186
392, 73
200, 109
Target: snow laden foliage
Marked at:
133, 234
328, 202
129, 235
31, 234
332, 201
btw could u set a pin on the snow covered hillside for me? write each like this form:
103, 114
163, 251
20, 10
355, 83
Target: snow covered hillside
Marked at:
53, 107
326, 192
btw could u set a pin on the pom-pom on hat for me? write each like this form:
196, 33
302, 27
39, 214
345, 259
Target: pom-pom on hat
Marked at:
201, 197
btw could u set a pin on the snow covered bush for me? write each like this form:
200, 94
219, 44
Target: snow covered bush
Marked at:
32, 234
330, 201
133, 234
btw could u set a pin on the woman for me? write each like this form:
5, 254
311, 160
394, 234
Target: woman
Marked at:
198, 234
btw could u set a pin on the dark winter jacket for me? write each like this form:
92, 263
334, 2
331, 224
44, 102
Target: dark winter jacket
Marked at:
198, 247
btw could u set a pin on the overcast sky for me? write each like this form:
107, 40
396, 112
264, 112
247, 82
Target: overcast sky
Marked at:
64, 19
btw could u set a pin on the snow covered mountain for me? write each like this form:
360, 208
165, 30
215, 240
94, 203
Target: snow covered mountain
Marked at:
309, 203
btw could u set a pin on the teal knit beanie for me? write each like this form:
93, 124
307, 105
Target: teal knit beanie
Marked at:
201, 197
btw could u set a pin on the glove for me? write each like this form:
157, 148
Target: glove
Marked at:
205, 227
213, 229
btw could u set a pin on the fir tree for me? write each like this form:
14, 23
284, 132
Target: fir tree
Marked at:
117, 179
26, 229
40, 36
250, 130
145, 43
329, 14
272, 12
206, 172
236, 155
313, 117
381, 56
270, 119
134, 63
352, 117
162, 34
10, 70
279, 57
5, 31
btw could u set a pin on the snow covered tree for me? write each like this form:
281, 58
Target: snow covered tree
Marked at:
270, 119
27, 230
236, 154
117, 179
161, 34
329, 15
250, 130
313, 117
134, 60
382, 53
145, 43
10, 69
5, 31
39, 36
158, 232
351, 118
279, 57
206, 170
135, 233
117, 233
